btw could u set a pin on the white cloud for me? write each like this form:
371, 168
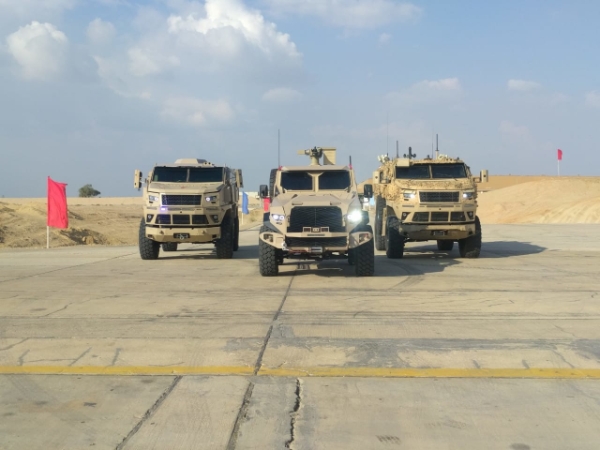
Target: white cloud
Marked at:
384, 38
592, 98
509, 129
428, 91
197, 112
27, 8
349, 13
39, 48
522, 85
144, 62
281, 95
100, 32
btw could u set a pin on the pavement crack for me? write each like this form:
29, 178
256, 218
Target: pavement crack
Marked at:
80, 356
22, 357
294, 414
235, 432
150, 412
116, 357
13, 345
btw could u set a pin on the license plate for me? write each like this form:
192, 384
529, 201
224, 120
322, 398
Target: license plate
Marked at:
316, 249
439, 233
181, 236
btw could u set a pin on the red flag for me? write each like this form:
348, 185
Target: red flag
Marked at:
266, 204
559, 154
57, 205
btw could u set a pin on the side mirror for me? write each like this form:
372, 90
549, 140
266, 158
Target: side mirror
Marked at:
365, 217
239, 179
368, 190
137, 180
263, 191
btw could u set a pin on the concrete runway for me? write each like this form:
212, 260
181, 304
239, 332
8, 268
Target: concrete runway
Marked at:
101, 349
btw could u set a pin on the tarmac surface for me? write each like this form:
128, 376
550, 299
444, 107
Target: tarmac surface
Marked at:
101, 349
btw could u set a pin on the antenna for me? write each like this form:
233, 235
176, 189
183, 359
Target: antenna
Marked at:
397, 150
278, 149
387, 132
437, 150
410, 154
350, 160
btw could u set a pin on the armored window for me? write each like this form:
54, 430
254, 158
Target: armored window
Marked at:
170, 174
206, 175
296, 181
416, 172
334, 180
448, 171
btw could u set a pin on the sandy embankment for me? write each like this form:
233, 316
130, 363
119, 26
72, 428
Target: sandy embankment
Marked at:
115, 221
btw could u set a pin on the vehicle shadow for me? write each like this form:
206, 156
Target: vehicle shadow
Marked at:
489, 249
201, 252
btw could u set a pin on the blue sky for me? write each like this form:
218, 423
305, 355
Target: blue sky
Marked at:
93, 89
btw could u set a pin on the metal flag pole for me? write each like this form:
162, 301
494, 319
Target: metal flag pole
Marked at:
47, 237
558, 167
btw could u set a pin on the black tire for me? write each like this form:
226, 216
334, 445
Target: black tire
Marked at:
364, 256
149, 249
169, 247
471, 247
236, 234
224, 244
268, 258
352, 256
379, 238
272, 177
394, 241
445, 245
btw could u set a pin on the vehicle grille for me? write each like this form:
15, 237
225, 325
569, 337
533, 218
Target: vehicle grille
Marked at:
441, 196
316, 216
181, 219
199, 219
163, 219
439, 217
457, 217
181, 200
421, 217
292, 242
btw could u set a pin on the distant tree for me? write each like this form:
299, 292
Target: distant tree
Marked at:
88, 191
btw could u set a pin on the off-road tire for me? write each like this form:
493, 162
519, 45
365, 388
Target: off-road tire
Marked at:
268, 258
365, 259
379, 238
394, 241
224, 245
169, 246
352, 256
236, 234
471, 247
149, 249
272, 177
445, 245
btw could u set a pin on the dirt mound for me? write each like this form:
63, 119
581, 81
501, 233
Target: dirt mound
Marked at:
556, 200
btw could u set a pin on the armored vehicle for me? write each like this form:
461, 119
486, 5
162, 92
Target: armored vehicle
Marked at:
315, 213
191, 201
423, 200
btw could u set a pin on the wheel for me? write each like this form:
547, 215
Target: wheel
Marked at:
394, 241
364, 259
169, 247
352, 256
379, 208
445, 245
236, 234
471, 247
224, 244
149, 249
272, 177
268, 259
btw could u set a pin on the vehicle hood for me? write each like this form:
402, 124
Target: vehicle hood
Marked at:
459, 183
343, 200
184, 188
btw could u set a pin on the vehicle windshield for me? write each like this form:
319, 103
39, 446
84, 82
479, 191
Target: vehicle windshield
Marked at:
188, 174
428, 171
334, 180
296, 181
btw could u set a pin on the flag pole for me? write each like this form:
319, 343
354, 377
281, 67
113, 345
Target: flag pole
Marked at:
47, 236
558, 168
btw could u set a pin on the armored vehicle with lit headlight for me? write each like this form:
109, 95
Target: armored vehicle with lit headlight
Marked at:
315, 213
191, 201
423, 200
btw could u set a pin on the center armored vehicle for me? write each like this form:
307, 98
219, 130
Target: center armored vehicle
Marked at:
315, 213
191, 201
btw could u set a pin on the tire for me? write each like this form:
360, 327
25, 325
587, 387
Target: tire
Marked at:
149, 249
445, 245
380, 205
471, 247
394, 242
364, 258
236, 234
272, 177
169, 247
352, 256
225, 243
268, 259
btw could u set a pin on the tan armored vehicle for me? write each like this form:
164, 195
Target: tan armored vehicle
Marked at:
315, 213
190, 201
423, 200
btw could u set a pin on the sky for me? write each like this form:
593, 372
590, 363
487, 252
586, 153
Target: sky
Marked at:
91, 90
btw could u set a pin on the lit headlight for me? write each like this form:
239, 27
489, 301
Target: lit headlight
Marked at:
210, 198
153, 198
409, 195
468, 195
355, 216
278, 217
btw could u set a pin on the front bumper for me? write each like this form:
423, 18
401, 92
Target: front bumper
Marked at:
426, 232
315, 243
183, 234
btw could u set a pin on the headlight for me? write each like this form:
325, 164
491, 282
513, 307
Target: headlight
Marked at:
409, 195
278, 217
152, 198
468, 195
355, 216
210, 198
